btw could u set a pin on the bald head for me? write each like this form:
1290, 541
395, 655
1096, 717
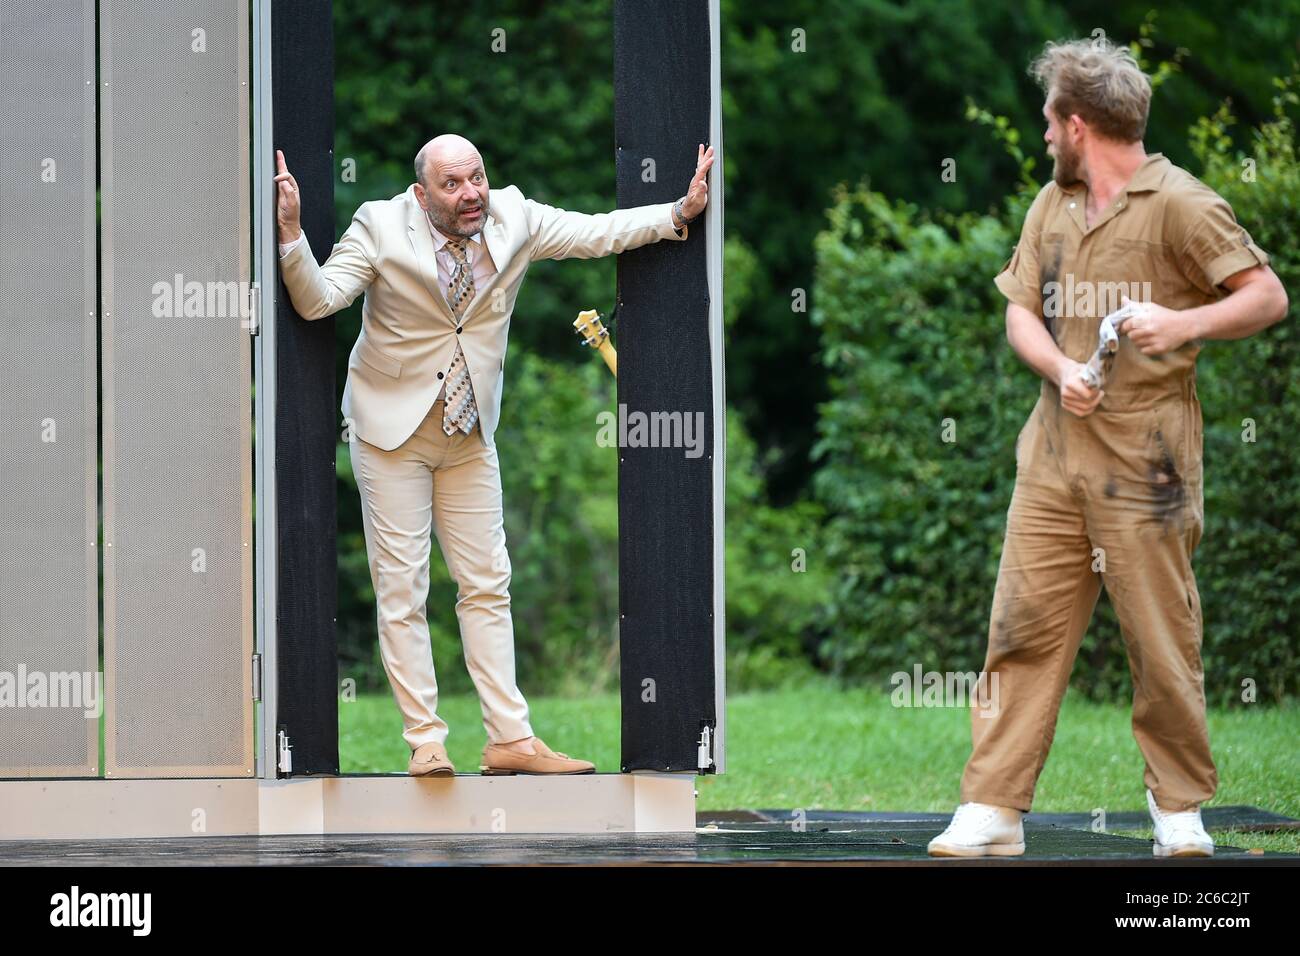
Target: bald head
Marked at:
452, 185
449, 148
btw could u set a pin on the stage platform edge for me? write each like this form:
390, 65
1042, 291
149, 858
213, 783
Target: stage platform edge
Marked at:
349, 804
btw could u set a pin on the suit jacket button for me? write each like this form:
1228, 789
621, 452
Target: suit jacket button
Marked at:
439, 375
459, 328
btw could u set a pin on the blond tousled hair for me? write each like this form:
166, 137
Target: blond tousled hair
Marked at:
1099, 81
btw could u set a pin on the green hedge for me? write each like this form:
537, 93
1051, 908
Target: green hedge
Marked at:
913, 336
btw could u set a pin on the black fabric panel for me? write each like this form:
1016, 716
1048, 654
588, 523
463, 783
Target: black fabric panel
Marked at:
307, 415
665, 500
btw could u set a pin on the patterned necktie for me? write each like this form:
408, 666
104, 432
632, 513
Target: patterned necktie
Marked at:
459, 409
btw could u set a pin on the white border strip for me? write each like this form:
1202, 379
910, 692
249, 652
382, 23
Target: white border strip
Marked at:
265, 251
714, 236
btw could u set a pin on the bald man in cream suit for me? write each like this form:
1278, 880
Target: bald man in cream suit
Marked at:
440, 266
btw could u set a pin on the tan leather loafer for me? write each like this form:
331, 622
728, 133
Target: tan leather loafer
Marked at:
430, 760
504, 761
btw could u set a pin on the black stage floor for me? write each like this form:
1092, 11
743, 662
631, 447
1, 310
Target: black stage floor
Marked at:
728, 837
1215, 818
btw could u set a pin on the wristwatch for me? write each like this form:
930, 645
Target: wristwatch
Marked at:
677, 211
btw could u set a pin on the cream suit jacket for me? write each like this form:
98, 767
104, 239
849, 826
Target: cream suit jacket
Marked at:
408, 332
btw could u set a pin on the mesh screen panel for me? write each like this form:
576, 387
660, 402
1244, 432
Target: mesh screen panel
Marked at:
177, 388
48, 561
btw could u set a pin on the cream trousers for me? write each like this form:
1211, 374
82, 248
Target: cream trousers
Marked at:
452, 486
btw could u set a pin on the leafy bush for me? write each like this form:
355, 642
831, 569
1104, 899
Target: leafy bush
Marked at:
1248, 566
913, 343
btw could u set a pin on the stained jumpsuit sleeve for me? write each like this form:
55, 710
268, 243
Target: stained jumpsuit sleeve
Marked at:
1018, 279
1208, 242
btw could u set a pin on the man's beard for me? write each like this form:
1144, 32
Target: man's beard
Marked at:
1065, 166
448, 227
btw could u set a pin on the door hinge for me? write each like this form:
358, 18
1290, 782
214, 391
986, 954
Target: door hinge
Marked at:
704, 751
257, 677
253, 309
285, 764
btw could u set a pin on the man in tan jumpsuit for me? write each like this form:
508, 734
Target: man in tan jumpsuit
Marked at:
1108, 481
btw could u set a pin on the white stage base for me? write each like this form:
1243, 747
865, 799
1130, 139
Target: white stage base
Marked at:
381, 803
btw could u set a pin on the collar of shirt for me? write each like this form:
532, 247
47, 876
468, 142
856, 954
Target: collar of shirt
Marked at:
1146, 178
472, 244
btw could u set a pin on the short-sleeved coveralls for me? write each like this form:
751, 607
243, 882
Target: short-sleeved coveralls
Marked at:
1112, 497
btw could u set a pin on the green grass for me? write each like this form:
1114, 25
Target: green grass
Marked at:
825, 748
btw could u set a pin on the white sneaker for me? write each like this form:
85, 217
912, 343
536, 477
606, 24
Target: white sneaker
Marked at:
1179, 834
979, 829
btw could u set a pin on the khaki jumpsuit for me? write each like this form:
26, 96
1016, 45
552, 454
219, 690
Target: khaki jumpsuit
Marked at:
1114, 497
